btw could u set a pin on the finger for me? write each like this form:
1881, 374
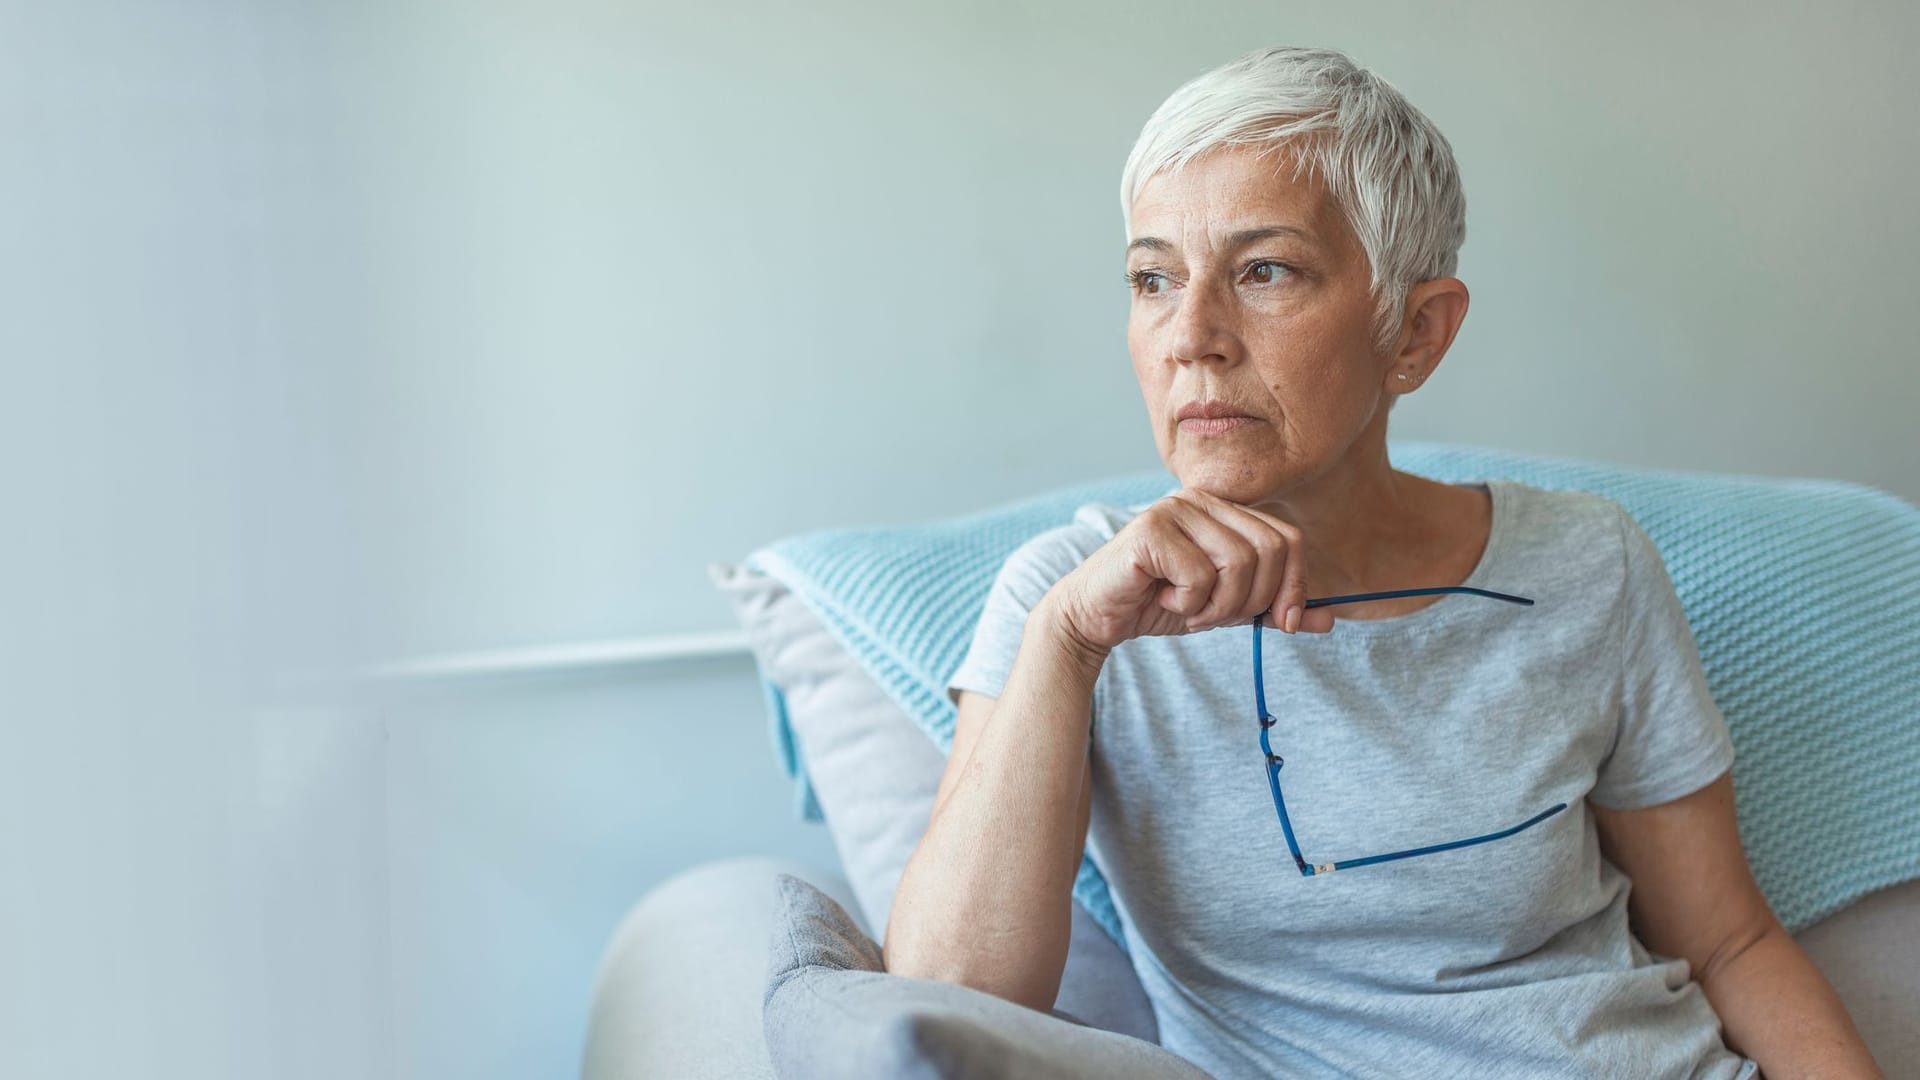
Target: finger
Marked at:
1234, 561
1271, 550
1292, 592
1171, 556
1317, 620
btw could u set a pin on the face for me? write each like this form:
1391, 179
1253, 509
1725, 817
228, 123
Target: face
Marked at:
1249, 288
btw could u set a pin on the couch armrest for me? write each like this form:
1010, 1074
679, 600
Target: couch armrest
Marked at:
1870, 952
680, 987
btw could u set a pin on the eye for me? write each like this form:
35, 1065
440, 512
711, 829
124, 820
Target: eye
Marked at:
1147, 282
1267, 271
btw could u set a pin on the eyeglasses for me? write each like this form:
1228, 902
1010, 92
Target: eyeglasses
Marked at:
1274, 761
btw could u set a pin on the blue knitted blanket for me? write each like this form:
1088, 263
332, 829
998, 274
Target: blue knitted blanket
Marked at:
1804, 597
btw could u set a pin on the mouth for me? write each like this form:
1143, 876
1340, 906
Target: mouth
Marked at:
1215, 425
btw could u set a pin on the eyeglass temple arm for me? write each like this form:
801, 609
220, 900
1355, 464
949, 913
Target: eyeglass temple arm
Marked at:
1354, 598
1451, 844
1259, 683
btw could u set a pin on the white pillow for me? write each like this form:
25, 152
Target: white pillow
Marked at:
874, 772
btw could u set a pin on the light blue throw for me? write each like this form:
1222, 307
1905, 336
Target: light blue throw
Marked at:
1804, 597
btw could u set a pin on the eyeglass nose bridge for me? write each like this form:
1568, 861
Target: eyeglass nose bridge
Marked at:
1274, 761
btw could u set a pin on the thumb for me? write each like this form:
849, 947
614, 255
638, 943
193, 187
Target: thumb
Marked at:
1316, 620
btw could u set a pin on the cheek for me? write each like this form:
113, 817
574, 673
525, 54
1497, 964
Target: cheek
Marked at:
1298, 362
1318, 353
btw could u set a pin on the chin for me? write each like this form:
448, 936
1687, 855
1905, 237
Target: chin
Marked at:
1235, 481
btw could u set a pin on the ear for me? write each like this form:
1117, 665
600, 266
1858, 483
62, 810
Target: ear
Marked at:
1433, 314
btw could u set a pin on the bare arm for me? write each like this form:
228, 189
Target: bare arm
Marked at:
985, 901
1694, 897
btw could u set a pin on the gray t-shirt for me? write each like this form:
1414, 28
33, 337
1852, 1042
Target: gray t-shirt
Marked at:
1511, 958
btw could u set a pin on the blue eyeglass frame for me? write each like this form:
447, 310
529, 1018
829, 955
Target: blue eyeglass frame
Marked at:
1274, 761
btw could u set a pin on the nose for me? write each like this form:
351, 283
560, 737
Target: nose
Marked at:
1200, 329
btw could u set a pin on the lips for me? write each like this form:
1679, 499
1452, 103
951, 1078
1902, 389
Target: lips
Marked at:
1201, 425
1211, 410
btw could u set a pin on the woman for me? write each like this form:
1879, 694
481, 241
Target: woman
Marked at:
1469, 784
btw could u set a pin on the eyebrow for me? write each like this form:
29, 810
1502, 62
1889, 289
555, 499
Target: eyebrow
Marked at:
1234, 240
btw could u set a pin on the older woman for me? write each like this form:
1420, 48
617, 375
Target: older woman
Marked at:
1419, 861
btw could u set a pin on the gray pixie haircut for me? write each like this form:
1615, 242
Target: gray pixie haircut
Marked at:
1388, 166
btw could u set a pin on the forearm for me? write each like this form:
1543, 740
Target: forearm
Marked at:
985, 899
1780, 1011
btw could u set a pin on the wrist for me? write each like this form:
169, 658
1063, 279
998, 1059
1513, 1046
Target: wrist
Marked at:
1052, 624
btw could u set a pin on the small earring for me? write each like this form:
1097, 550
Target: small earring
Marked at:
1402, 376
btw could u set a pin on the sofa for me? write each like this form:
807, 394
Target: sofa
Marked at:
684, 986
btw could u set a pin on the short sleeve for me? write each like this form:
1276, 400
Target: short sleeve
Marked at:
1032, 569
1672, 739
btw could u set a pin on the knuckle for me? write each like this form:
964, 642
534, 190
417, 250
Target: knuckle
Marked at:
1241, 551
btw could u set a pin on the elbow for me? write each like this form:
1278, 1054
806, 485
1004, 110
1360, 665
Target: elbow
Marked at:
915, 960
996, 952
1739, 941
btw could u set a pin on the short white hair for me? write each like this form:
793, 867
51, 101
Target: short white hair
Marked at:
1386, 163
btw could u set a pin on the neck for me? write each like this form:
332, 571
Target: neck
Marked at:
1368, 527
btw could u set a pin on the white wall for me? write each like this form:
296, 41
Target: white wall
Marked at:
191, 829
352, 332
658, 287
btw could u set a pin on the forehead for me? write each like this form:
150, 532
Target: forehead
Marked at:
1233, 188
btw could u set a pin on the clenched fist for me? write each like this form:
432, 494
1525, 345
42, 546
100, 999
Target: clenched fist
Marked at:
1191, 561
